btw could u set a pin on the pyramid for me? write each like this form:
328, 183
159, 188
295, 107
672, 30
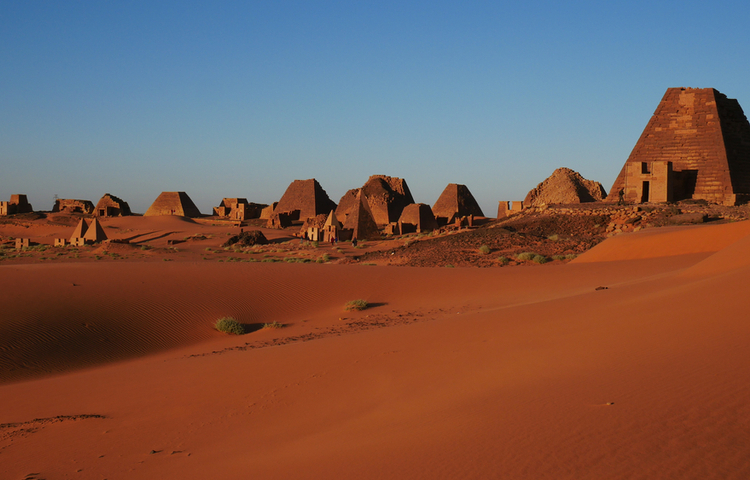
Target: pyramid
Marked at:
95, 232
173, 203
565, 186
696, 146
420, 215
304, 199
386, 196
360, 221
80, 230
332, 221
456, 200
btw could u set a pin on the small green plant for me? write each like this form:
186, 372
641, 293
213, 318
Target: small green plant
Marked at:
484, 250
229, 325
503, 260
526, 256
145, 247
356, 305
273, 325
324, 258
449, 266
539, 259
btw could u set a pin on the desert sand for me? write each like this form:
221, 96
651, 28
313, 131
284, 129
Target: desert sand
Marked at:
629, 362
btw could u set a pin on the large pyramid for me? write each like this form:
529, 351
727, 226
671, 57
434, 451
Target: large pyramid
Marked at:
456, 201
304, 199
386, 196
173, 203
696, 145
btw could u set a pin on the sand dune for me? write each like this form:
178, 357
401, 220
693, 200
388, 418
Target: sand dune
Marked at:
480, 373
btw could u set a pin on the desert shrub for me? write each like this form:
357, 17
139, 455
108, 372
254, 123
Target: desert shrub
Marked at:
554, 237
303, 260
273, 325
229, 325
484, 250
145, 247
570, 256
449, 266
356, 305
315, 244
558, 257
503, 260
324, 258
539, 259
526, 256
270, 260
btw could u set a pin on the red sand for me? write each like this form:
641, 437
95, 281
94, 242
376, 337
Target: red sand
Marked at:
480, 373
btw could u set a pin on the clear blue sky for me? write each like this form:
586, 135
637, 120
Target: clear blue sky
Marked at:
225, 99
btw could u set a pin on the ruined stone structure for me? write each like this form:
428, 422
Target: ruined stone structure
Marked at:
418, 218
506, 208
304, 199
565, 186
238, 209
279, 220
173, 203
70, 205
360, 222
386, 196
111, 206
696, 146
312, 228
18, 204
455, 201
267, 211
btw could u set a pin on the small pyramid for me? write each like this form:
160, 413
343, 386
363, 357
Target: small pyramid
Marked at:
80, 230
360, 220
456, 201
419, 215
332, 221
95, 232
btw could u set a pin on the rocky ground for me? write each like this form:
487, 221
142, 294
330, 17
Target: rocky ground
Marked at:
554, 233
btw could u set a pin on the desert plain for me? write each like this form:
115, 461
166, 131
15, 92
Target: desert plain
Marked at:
630, 361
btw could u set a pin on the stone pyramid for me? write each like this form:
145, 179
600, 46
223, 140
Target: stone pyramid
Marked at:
360, 220
696, 145
332, 221
386, 196
80, 230
95, 232
304, 199
420, 215
565, 186
456, 201
173, 203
